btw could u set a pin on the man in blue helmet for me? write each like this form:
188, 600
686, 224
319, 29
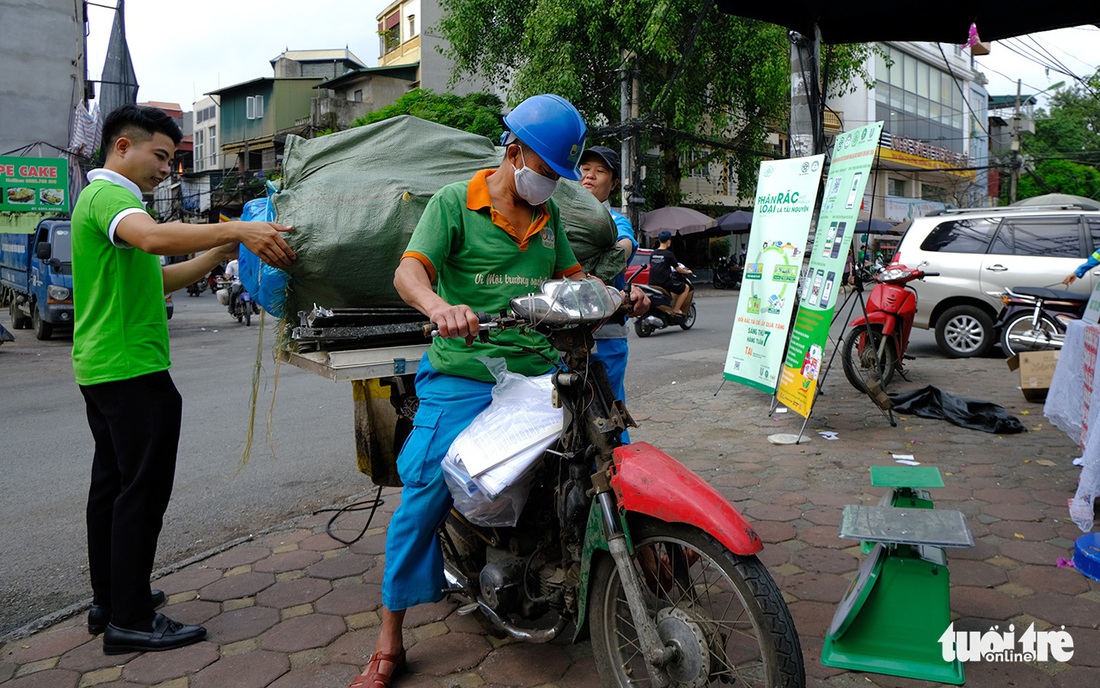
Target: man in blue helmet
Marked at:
481, 242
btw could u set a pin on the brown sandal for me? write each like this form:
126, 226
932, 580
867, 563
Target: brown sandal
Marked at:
374, 677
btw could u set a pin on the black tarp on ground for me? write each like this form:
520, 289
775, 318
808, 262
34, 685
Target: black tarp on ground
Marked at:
932, 402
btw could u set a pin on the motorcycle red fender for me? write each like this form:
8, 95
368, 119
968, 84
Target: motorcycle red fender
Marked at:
651, 483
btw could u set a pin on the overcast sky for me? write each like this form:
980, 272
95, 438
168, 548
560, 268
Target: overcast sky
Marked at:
209, 44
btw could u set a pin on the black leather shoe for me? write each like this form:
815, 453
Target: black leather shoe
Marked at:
100, 615
166, 635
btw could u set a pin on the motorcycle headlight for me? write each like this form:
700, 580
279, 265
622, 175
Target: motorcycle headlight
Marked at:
56, 293
569, 302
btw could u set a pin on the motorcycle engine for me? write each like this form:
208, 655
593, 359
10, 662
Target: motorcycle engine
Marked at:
501, 584
502, 587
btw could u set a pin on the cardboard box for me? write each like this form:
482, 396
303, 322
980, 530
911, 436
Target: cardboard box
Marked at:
1036, 371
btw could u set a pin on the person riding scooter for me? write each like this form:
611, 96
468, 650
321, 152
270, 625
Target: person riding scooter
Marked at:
664, 271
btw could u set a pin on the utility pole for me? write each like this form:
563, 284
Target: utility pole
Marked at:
629, 93
1014, 173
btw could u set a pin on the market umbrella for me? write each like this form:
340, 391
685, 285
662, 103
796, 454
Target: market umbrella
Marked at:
675, 219
737, 222
874, 226
1060, 199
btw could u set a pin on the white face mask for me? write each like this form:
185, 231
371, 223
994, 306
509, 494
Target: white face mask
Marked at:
532, 186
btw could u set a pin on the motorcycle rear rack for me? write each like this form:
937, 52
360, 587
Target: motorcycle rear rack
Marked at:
356, 328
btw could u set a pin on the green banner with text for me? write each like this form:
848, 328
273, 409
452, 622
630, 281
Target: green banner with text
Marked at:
853, 154
785, 195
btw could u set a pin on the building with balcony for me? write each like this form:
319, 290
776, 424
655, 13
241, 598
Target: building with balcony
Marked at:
408, 58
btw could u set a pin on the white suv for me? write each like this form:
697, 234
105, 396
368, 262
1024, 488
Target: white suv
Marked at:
981, 252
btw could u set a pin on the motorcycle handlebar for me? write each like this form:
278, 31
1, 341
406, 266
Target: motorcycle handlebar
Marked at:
485, 321
931, 274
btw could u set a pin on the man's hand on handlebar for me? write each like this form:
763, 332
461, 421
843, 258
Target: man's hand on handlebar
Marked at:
637, 301
456, 321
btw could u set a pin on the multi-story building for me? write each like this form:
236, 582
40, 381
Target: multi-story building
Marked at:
44, 82
934, 140
207, 153
408, 58
45, 75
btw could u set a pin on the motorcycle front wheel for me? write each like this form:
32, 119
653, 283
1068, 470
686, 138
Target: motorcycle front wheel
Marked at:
867, 354
1018, 335
643, 328
247, 315
722, 611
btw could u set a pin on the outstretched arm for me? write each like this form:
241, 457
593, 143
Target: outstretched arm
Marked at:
179, 275
175, 238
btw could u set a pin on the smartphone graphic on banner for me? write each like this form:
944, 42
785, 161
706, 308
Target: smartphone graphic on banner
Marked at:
852, 194
827, 290
815, 292
838, 240
807, 282
829, 239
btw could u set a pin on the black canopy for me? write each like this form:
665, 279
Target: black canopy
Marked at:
945, 21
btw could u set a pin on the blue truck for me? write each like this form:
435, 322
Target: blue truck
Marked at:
36, 277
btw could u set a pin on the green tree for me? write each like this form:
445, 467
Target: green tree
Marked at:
1060, 176
1071, 129
1065, 148
477, 113
709, 81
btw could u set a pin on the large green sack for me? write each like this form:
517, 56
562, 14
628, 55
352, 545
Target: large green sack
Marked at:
354, 198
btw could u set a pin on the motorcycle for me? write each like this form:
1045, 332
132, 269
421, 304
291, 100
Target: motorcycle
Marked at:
1035, 318
874, 347
239, 304
621, 541
726, 276
661, 313
197, 288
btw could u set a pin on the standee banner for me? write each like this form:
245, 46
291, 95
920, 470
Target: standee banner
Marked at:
853, 154
785, 195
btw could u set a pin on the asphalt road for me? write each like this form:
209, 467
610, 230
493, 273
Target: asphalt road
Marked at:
307, 462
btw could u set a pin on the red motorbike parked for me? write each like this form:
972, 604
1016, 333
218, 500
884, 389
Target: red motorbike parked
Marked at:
874, 346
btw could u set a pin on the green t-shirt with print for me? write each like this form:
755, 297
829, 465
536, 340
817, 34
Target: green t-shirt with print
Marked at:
478, 264
120, 328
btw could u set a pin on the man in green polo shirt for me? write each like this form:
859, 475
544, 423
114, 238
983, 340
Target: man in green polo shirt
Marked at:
120, 357
481, 242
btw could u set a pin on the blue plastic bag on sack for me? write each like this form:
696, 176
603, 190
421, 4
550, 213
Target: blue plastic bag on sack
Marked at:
265, 283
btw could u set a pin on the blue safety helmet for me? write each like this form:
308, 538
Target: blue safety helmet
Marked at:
553, 129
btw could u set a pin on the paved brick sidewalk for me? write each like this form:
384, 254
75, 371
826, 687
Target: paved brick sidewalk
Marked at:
293, 608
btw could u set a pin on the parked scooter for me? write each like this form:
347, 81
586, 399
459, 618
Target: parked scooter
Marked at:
661, 313
1035, 318
725, 275
874, 347
620, 543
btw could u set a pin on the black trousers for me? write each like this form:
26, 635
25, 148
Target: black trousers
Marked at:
136, 427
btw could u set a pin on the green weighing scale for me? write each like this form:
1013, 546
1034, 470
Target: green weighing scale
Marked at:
908, 488
893, 614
